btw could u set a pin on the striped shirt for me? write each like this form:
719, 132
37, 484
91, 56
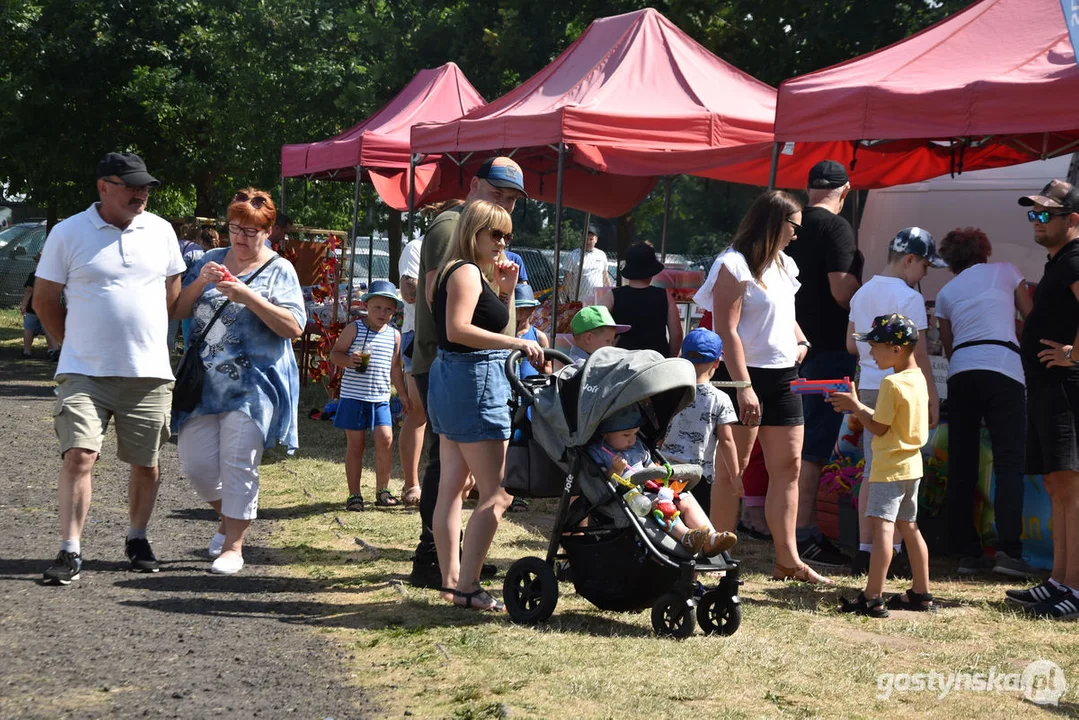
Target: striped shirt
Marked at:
373, 385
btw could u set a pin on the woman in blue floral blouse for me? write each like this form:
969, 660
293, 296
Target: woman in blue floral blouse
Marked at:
251, 387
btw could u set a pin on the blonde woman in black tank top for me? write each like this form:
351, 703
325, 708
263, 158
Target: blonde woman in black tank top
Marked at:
468, 393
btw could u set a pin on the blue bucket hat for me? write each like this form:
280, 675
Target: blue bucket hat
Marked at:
381, 288
624, 419
523, 297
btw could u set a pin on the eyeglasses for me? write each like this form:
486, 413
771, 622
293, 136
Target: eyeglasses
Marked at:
1042, 216
497, 235
797, 227
238, 229
133, 188
256, 202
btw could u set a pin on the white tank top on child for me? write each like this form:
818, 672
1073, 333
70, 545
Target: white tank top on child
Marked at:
373, 385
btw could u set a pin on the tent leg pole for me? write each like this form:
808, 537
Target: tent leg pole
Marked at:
352, 244
775, 166
666, 218
411, 196
282, 194
557, 240
371, 242
580, 265
854, 215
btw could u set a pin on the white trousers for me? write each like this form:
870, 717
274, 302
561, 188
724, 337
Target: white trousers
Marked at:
220, 455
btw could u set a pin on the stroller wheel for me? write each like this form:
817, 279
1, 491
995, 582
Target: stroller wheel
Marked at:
530, 590
672, 615
719, 612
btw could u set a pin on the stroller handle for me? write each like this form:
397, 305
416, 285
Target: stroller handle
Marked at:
511, 370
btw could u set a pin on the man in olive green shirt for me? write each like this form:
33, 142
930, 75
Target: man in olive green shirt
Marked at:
500, 181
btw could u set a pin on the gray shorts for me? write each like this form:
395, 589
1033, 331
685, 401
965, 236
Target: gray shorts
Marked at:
893, 501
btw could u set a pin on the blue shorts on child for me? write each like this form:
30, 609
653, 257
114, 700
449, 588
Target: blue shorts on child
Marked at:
362, 415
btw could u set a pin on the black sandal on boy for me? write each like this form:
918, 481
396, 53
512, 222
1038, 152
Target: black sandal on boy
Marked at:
862, 606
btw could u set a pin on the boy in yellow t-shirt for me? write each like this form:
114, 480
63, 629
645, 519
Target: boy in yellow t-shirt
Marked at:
900, 427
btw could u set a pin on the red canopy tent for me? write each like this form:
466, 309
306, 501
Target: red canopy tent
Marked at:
979, 89
986, 87
630, 81
379, 146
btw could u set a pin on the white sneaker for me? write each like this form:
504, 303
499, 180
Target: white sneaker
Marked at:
227, 564
217, 545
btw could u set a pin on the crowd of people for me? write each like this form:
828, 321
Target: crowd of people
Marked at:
786, 301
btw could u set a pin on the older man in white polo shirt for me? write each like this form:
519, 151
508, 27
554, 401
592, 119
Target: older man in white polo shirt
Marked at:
119, 268
595, 275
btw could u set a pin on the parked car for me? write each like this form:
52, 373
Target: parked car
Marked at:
21, 243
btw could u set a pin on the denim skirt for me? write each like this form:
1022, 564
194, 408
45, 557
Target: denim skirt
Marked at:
468, 396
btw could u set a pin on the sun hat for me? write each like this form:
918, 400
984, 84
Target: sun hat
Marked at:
523, 297
641, 262
624, 419
381, 288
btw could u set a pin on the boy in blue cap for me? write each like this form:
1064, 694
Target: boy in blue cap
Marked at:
900, 427
369, 350
701, 433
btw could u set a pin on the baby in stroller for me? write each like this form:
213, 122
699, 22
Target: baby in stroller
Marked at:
620, 452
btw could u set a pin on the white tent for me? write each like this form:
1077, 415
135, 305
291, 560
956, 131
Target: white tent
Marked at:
983, 198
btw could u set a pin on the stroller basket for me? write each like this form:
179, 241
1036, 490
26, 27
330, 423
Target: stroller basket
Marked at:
616, 572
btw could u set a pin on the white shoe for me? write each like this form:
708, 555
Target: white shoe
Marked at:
227, 564
217, 545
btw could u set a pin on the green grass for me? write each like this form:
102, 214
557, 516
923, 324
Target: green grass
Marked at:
794, 655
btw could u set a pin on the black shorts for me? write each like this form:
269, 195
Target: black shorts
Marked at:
779, 406
1052, 433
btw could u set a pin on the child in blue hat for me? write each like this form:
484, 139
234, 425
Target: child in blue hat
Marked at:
369, 350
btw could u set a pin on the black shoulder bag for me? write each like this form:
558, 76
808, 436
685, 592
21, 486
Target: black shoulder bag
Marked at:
190, 373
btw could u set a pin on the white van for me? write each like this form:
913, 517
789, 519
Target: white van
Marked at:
984, 199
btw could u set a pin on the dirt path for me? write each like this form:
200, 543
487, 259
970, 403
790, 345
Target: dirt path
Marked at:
178, 644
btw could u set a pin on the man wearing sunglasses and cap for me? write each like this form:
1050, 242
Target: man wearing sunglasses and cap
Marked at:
500, 181
119, 268
1050, 353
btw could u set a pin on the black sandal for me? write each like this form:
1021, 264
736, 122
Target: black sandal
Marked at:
914, 601
354, 503
519, 504
862, 606
385, 498
495, 606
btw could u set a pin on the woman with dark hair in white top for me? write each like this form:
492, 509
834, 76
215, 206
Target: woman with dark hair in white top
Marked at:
750, 290
976, 315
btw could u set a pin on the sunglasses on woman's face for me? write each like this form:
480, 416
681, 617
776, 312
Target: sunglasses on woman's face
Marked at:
497, 235
797, 227
1043, 216
256, 202
237, 229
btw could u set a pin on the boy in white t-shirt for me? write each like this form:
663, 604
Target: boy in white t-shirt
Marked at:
910, 255
701, 433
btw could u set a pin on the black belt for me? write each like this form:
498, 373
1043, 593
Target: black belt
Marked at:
1003, 343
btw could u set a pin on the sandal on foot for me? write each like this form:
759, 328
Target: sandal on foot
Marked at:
519, 504
863, 606
411, 496
719, 542
910, 600
354, 503
471, 604
385, 498
801, 573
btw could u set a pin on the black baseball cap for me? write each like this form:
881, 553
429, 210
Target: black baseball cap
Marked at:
593, 229
129, 167
894, 329
827, 175
1057, 194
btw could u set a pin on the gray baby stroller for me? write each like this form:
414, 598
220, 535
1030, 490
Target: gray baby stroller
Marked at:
618, 561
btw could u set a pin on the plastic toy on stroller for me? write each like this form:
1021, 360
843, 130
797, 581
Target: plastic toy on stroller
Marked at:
618, 561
